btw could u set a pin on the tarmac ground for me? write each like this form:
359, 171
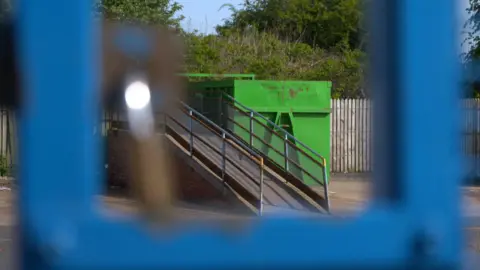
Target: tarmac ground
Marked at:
347, 196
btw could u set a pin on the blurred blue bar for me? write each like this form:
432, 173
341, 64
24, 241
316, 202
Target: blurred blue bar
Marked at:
419, 227
57, 153
430, 131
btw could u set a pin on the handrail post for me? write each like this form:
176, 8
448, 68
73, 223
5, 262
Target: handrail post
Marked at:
261, 187
325, 185
285, 151
251, 129
223, 156
220, 113
190, 112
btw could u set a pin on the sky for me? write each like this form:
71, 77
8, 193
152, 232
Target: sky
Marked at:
205, 15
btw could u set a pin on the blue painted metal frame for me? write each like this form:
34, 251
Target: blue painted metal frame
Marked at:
62, 228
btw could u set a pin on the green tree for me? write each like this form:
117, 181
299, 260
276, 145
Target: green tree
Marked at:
270, 58
473, 30
321, 23
471, 58
164, 12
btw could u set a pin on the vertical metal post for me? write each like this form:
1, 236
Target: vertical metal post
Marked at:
285, 151
251, 129
223, 156
190, 112
261, 187
220, 111
325, 185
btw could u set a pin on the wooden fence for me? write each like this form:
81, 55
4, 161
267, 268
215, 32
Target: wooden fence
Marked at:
351, 135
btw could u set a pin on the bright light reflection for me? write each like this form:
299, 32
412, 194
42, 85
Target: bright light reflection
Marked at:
137, 95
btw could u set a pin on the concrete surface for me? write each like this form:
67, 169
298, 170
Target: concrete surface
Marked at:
6, 248
350, 196
6, 224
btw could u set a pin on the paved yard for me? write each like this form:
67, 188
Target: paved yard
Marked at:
346, 196
352, 196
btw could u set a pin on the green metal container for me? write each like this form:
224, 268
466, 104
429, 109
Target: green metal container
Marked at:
301, 108
206, 98
205, 92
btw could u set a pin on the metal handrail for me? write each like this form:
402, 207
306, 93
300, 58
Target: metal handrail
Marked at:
290, 136
273, 132
220, 152
210, 122
232, 141
285, 137
322, 165
290, 161
195, 115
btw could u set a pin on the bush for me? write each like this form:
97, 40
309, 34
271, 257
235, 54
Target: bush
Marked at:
270, 58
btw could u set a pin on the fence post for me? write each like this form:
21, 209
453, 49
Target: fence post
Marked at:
251, 129
190, 112
261, 187
285, 151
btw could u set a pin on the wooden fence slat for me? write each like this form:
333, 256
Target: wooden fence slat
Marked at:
351, 134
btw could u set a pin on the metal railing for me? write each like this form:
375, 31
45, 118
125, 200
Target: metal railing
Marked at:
224, 149
275, 126
277, 144
287, 152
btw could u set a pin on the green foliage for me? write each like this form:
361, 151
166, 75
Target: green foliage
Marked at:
323, 23
270, 58
473, 39
274, 39
471, 67
288, 40
162, 12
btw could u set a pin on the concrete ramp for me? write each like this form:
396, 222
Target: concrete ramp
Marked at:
220, 164
244, 167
